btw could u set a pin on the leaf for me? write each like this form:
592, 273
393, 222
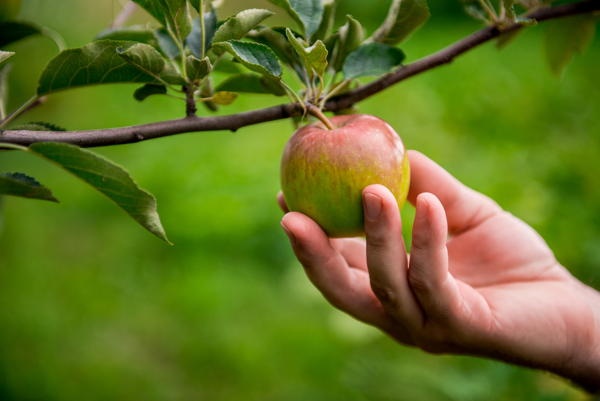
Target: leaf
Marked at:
95, 63
11, 31
147, 90
351, 35
5, 56
223, 98
194, 39
22, 185
254, 56
108, 178
166, 43
314, 57
148, 60
4, 72
134, 33
403, 18
275, 38
307, 13
327, 20
239, 25
564, 38
372, 59
173, 14
251, 83
198, 69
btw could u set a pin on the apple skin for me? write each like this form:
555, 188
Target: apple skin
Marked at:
323, 171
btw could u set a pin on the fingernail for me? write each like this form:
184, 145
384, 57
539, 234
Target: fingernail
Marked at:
372, 205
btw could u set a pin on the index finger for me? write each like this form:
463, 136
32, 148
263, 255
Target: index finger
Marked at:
465, 207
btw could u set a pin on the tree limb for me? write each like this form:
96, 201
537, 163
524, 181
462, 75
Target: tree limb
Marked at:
232, 122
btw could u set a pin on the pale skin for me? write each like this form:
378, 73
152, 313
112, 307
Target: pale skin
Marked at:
478, 280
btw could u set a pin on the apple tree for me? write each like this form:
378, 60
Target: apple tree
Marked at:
321, 63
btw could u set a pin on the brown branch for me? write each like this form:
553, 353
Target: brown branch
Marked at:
116, 136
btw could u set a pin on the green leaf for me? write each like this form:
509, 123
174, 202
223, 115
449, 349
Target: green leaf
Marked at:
239, 25
403, 18
372, 59
254, 56
134, 34
5, 56
147, 90
275, 38
223, 98
4, 72
148, 60
350, 36
22, 185
108, 178
194, 39
96, 63
198, 69
166, 43
313, 57
251, 83
327, 20
11, 31
566, 37
307, 13
173, 14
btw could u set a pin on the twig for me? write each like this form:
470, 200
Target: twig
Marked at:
116, 136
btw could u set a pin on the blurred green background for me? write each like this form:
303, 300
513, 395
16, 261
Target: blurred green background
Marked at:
94, 308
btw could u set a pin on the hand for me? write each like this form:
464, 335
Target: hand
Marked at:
478, 280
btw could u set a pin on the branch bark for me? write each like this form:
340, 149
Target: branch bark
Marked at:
233, 122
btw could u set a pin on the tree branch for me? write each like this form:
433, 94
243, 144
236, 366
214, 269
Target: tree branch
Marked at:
232, 122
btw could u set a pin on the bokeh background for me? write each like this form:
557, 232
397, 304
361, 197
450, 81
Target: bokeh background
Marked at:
92, 307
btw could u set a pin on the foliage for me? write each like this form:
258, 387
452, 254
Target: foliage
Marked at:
179, 56
92, 308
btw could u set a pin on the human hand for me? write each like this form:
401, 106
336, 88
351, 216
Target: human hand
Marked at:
478, 280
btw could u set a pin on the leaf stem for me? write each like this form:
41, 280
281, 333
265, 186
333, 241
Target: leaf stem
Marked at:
28, 105
315, 111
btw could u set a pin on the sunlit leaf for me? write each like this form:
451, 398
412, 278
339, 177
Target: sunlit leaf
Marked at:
403, 18
22, 185
372, 59
108, 178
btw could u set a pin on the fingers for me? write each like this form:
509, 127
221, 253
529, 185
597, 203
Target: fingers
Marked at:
346, 288
465, 208
386, 256
435, 289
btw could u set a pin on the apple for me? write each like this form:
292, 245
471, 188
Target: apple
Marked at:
324, 171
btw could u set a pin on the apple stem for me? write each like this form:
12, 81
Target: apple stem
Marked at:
315, 111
